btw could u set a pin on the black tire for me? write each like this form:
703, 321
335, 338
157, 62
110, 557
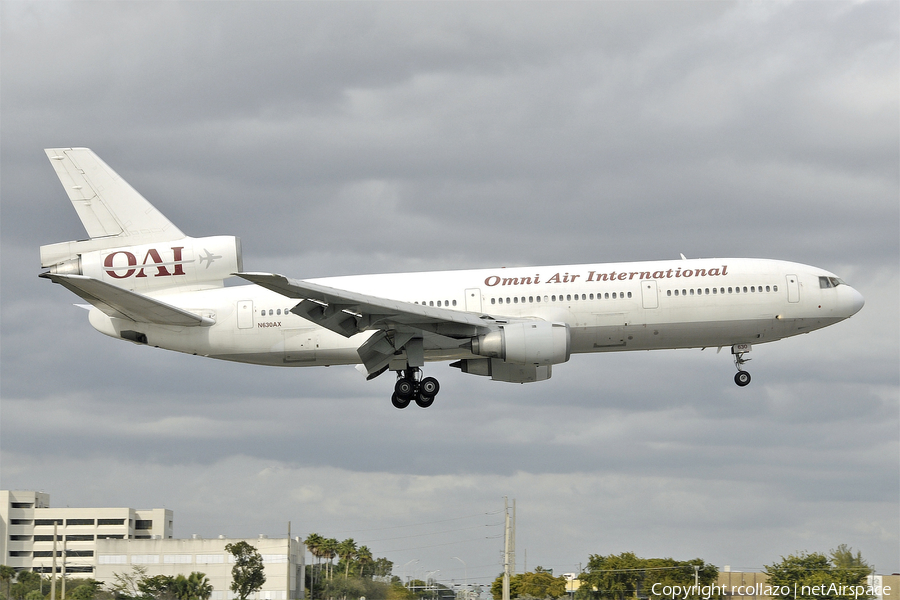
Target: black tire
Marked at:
424, 401
742, 378
429, 387
404, 388
399, 402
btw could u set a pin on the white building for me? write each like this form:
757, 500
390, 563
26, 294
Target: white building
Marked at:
27, 523
102, 542
283, 561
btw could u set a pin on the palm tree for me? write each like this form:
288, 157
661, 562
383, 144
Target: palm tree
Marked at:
329, 551
346, 550
314, 543
199, 587
363, 557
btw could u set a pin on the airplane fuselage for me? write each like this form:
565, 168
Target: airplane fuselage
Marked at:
608, 307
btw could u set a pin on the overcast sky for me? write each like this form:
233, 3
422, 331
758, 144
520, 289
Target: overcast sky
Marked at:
362, 138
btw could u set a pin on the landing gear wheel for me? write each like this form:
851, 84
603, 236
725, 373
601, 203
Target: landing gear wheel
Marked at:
429, 387
404, 388
742, 378
424, 401
399, 402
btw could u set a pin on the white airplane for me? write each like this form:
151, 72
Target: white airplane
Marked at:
150, 284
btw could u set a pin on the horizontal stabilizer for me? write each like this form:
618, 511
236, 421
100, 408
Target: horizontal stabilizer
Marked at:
124, 304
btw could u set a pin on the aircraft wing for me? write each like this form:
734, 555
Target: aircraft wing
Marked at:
400, 324
124, 304
349, 313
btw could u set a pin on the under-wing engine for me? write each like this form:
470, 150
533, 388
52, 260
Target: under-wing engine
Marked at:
520, 352
526, 343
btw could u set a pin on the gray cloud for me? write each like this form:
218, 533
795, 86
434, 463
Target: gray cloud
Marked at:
363, 138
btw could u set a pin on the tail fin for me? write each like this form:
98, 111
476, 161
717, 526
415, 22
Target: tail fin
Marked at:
132, 245
112, 212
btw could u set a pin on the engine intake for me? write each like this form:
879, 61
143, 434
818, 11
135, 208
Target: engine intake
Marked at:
526, 343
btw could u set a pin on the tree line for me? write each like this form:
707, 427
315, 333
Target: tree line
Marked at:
803, 576
626, 576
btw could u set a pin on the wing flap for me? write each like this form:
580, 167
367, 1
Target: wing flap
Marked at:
348, 313
124, 304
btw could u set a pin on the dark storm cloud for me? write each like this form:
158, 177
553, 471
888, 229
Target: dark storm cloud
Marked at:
348, 138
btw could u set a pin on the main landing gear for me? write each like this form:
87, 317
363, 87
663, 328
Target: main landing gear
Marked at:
412, 386
742, 377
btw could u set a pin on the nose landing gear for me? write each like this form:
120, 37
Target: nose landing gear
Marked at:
742, 377
411, 386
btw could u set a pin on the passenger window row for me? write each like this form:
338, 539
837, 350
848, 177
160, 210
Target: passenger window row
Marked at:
559, 298
431, 303
732, 290
273, 311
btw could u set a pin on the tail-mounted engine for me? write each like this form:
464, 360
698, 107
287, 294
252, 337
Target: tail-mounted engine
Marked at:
189, 262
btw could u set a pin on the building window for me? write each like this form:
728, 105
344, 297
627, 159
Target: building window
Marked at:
144, 559
177, 559
20, 521
143, 524
112, 559
22, 505
48, 522
79, 521
46, 538
206, 559
79, 538
110, 521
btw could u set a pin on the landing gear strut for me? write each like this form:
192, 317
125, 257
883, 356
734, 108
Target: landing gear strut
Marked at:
412, 386
742, 377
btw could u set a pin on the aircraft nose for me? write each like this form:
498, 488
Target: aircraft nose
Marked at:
855, 301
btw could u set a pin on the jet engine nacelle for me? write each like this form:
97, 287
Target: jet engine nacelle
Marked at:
196, 263
526, 343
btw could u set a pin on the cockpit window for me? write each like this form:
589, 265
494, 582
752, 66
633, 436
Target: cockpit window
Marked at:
830, 282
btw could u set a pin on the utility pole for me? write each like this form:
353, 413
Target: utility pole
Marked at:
53, 563
512, 548
290, 567
509, 546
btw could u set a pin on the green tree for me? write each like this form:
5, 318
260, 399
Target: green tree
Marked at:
7, 574
382, 567
26, 582
346, 550
82, 588
536, 584
314, 544
542, 584
158, 587
842, 557
613, 577
815, 576
247, 575
195, 586
364, 559
85, 591
329, 551
126, 586
683, 573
